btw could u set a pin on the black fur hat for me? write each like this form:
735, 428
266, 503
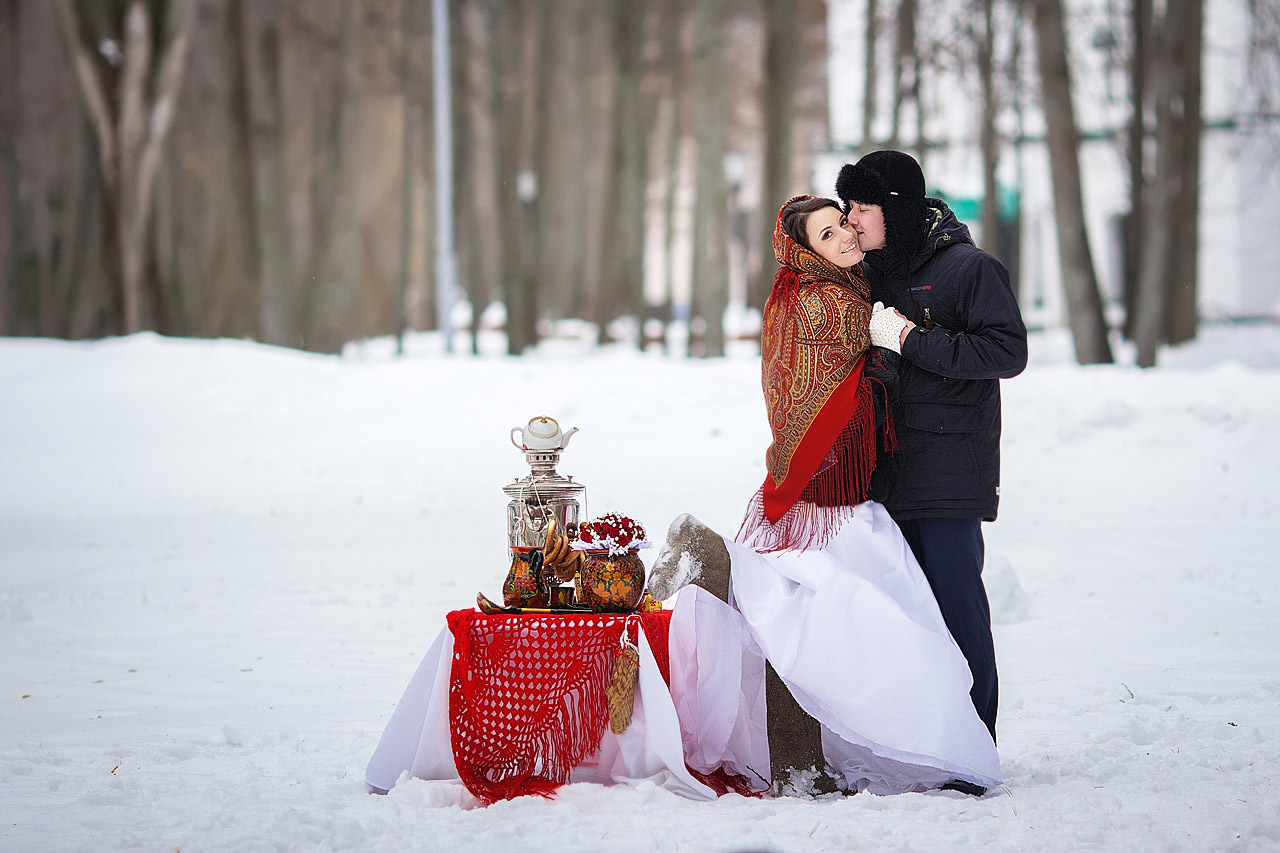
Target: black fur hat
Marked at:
893, 181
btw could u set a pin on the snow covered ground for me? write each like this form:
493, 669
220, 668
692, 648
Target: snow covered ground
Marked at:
220, 563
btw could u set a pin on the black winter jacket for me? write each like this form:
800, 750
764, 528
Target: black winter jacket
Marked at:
969, 335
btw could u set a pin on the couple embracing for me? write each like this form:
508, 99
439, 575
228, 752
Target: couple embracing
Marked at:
842, 640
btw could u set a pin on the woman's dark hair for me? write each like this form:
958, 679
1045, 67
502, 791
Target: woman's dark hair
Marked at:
797, 213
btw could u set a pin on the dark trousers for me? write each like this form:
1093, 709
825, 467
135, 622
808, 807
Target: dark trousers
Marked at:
950, 551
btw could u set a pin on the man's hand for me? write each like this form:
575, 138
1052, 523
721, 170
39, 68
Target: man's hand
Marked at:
906, 329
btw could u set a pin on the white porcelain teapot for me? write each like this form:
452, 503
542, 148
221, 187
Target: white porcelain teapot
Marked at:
541, 433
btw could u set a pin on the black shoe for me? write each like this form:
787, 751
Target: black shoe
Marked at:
964, 787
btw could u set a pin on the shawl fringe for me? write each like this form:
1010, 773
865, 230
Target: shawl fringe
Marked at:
508, 744
842, 481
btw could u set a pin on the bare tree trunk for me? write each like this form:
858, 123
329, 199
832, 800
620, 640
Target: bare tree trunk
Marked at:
985, 45
1140, 19
263, 111
1010, 243
675, 19
813, 95
1151, 322
781, 72
144, 122
576, 171
521, 28
131, 127
14, 238
477, 201
1164, 199
623, 275
535, 113
917, 96
522, 312
468, 56
599, 76
82, 250
412, 47
907, 65
1079, 279
1184, 315
666, 138
501, 44
710, 233
334, 244
506, 71
871, 35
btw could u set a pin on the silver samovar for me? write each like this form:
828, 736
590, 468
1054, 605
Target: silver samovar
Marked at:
543, 494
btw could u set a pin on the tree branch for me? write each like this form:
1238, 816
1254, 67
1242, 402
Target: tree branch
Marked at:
132, 127
93, 90
168, 84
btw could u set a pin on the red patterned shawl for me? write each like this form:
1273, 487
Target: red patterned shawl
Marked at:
820, 412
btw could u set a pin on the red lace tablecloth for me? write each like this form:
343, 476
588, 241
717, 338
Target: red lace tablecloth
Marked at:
527, 694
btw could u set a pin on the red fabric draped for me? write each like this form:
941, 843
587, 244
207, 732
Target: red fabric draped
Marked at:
526, 694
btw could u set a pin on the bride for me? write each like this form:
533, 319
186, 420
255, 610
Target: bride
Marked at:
808, 653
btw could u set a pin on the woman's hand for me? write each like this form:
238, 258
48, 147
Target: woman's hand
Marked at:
887, 327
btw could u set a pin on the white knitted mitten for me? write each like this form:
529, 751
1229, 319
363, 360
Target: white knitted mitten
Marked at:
886, 328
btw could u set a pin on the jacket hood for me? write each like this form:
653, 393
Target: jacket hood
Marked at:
942, 231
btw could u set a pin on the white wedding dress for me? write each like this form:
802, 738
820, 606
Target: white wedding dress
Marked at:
855, 632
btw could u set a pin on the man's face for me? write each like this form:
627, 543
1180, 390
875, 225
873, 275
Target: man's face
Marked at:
868, 223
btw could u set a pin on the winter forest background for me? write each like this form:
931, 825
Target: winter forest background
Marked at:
221, 562
271, 169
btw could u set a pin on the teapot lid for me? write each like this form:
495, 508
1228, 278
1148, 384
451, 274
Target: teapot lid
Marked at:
543, 427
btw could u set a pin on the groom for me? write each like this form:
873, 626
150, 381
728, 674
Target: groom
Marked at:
955, 321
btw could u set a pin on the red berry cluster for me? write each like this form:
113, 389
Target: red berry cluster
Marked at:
612, 529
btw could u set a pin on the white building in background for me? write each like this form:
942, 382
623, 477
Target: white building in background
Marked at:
1239, 267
